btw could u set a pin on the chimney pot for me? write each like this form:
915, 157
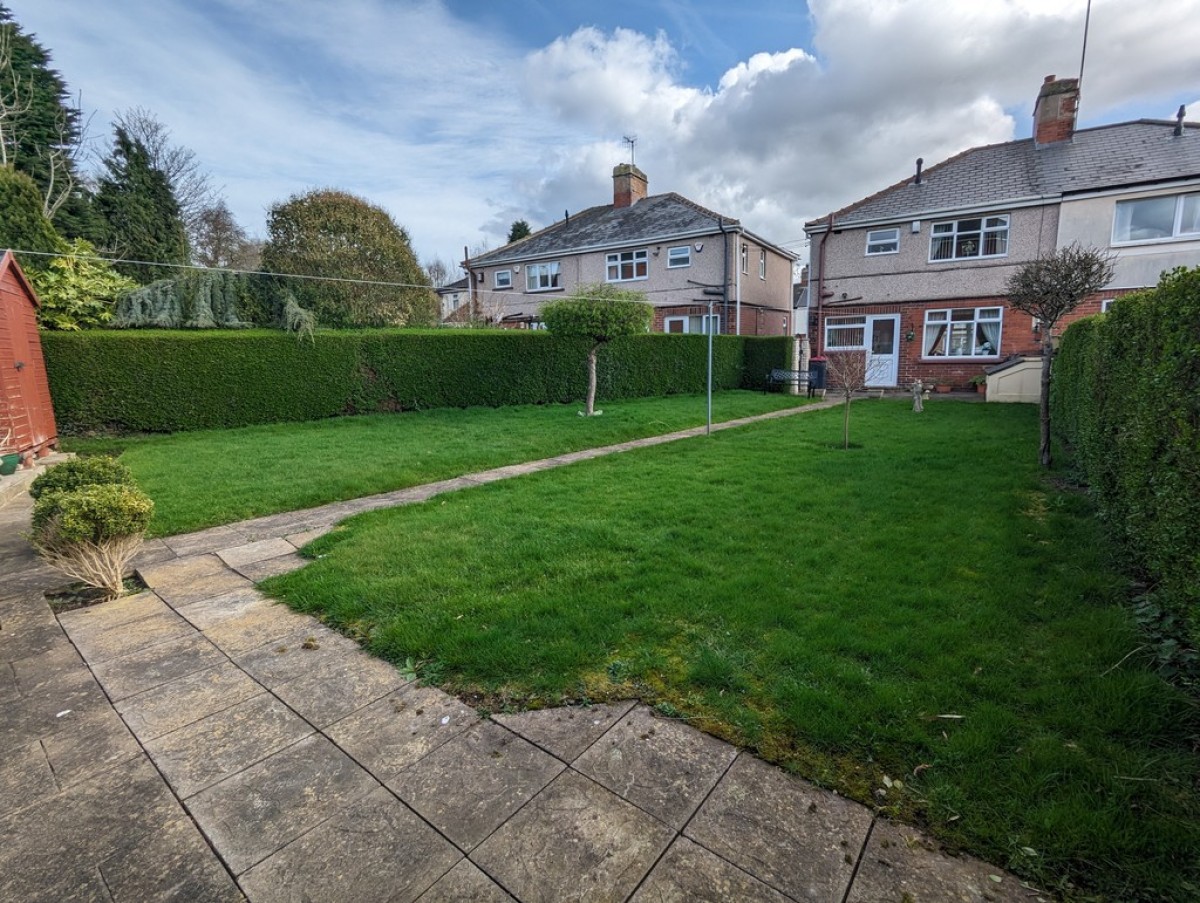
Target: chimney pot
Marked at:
629, 185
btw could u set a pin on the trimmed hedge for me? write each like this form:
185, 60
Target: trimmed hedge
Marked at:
170, 381
1126, 400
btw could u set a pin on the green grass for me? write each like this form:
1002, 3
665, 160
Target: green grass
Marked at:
200, 479
825, 608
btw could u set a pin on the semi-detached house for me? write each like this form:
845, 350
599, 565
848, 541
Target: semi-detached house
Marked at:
686, 259
916, 274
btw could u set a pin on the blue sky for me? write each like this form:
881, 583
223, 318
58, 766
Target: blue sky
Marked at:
459, 116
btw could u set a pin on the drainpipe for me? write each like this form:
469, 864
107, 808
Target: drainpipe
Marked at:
821, 286
724, 273
738, 287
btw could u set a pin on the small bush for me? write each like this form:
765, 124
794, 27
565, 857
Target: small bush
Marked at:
80, 472
91, 533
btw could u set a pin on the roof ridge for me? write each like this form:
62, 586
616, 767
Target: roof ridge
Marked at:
698, 207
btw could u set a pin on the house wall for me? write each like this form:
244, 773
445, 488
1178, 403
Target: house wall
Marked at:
1089, 221
1017, 335
908, 275
665, 287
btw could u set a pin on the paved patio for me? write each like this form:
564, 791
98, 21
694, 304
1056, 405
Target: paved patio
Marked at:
199, 742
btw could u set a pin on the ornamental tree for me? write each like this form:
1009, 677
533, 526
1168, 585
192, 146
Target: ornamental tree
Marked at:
601, 313
1048, 289
78, 289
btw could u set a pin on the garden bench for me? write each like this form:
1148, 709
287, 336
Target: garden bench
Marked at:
781, 377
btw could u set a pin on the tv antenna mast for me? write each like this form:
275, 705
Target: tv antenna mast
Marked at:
631, 140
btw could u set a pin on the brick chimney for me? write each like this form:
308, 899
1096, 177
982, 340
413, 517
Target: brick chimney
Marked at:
629, 185
1055, 110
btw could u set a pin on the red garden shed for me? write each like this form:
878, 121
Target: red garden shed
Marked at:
27, 423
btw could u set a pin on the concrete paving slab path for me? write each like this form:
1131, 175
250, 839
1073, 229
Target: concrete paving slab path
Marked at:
200, 742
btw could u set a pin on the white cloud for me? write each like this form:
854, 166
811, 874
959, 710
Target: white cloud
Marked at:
791, 135
458, 131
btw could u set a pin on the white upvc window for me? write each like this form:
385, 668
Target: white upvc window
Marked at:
542, 277
1106, 305
1156, 219
696, 324
626, 266
846, 333
883, 241
762, 264
745, 259
503, 279
965, 239
679, 257
963, 332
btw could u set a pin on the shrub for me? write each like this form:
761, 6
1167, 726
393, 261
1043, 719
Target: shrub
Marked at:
91, 533
80, 472
1128, 388
158, 381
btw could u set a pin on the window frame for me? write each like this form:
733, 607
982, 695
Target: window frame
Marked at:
946, 336
616, 260
745, 259
686, 320
852, 322
497, 284
956, 234
1177, 234
874, 239
686, 249
552, 270
762, 264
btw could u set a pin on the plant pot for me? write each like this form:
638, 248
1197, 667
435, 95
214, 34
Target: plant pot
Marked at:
981, 388
9, 463
941, 388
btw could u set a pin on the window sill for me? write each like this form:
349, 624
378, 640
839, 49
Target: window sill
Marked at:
1142, 242
543, 291
619, 281
970, 259
957, 359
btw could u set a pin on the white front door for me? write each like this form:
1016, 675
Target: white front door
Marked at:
883, 350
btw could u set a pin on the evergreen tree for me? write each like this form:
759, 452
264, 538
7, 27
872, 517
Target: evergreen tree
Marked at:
40, 129
331, 233
518, 230
140, 216
23, 226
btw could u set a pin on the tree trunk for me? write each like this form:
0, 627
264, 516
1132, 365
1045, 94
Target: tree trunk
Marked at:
591, 393
846, 423
1044, 401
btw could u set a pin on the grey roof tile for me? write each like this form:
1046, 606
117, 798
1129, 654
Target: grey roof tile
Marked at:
657, 217
1111, 156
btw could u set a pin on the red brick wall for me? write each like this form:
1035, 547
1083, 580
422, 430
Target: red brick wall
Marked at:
1017, 336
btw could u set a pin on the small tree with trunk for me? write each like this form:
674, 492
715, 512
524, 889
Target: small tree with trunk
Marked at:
1048, 289
849, 372
600, 313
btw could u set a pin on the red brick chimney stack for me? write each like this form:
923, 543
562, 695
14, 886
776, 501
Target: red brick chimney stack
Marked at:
1055, 110
629, 185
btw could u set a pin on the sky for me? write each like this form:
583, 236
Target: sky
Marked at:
460, 116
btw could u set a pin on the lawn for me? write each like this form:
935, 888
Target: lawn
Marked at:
200, 479
925, 610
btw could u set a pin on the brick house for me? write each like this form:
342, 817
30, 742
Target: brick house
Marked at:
681, 255
916, 273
